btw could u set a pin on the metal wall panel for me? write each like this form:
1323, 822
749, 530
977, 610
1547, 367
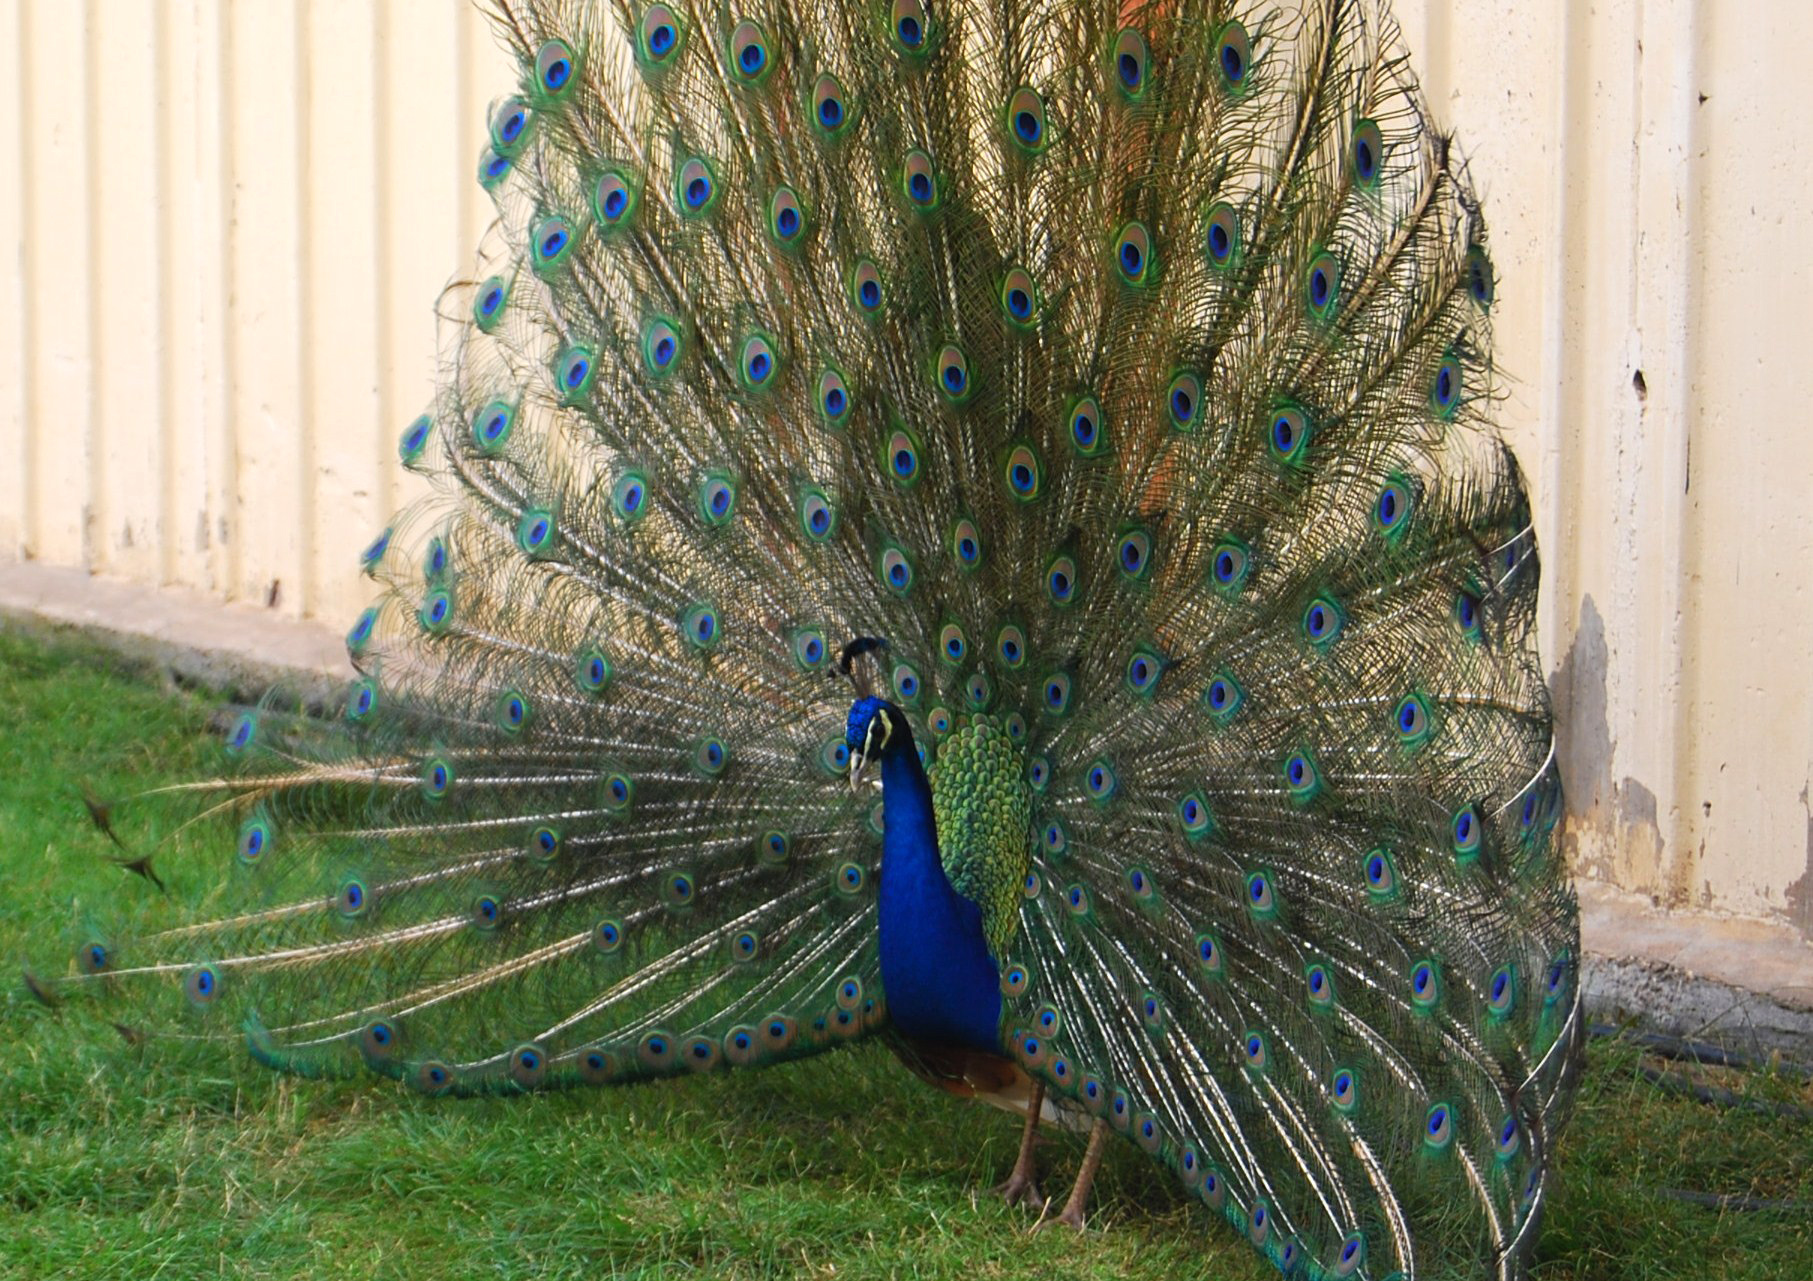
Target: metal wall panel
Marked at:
230, 222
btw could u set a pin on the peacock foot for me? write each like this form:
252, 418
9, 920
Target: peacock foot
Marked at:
1070, 1216
1020, 1189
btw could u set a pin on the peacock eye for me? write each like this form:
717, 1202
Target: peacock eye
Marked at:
1131, 59
828, 108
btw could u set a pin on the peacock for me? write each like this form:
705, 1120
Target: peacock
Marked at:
970, 522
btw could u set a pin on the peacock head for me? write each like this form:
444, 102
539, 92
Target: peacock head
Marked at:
877, 729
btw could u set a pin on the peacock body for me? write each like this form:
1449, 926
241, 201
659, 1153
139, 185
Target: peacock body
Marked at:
1073, 417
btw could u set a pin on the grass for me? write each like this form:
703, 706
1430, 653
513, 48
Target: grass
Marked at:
180, 1162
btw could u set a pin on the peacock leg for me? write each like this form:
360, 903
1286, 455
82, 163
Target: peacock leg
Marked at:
1072, 1213
1021, 1188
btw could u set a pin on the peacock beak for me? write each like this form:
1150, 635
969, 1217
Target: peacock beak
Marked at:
870, 747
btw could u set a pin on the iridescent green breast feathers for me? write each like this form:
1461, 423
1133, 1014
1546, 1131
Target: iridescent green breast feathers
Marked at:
984, 809
1127, 367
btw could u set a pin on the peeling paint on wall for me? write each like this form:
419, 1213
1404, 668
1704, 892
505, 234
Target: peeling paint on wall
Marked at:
1613, 830
1800, 893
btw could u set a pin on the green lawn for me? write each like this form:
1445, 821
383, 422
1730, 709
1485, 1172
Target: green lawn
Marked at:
176, 1162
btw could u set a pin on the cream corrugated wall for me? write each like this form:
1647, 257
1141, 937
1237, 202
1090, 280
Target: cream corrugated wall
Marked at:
231, 220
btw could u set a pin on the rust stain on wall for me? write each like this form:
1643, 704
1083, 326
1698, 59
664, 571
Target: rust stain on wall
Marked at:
1800, 891
1613, 830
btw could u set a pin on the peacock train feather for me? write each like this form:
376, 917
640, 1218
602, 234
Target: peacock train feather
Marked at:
1096, 395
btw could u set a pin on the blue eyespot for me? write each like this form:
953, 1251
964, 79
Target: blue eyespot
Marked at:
1182, 400
695, 185
660, 32
1368, 146
1131, 57
1220, 694
436, 610
1223, 236
1322, 285
493, 167
1023, 473
660, 346
1438, 1129
951, 641
552, 238
414, 439
509, 121
1018, 297
953, 372
699, 624
202, 985
1193, 815
1289, 432
1502, 996
865, 286
1479, 276
748, 49
1254, 1045
1135, 553
245, 729
896, 571
828, 104
1392, 506
1060, 580
1133, 253
910, 24
612, 198
1234, 53
919, 181
1381, 877
1322, 621
1466, 614
489, 303
535, 531
554, 66
1467, 833
573, 373
491, 427
1425, 984
592, 672
1412, 721
1444, 393
1143, 671
1085, 430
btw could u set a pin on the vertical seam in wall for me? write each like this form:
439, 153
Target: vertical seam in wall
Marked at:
97, 514
162, 224
306, 314
384, 236
463, 93
229, 153
30, 535
1562, 481
1438, 57
1691, 548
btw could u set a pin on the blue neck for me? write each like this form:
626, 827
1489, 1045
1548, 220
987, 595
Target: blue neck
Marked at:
941, 983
